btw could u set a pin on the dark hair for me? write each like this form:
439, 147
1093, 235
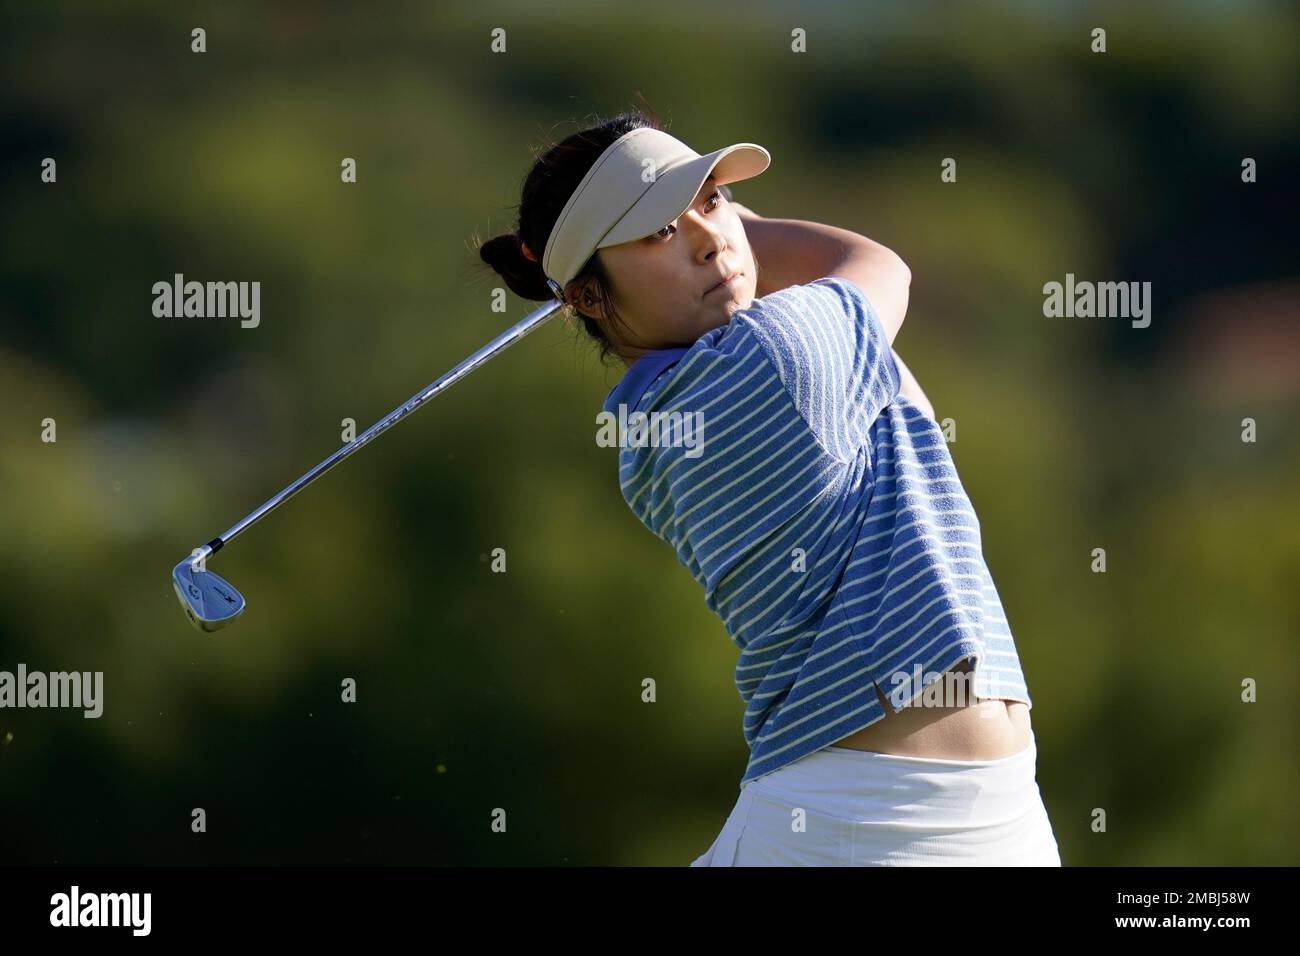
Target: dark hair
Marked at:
547, 187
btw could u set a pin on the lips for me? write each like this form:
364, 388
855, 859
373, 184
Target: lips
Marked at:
723, 283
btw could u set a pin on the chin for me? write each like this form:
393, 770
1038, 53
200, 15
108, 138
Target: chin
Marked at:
729, 308
741, 298
745, 294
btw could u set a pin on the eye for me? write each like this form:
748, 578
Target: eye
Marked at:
712, 203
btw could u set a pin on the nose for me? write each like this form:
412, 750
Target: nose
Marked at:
709, 237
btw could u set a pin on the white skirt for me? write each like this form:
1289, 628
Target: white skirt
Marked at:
844, 807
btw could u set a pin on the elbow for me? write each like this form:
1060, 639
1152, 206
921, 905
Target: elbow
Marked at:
884, 277
901, 267
897, 273
903, 285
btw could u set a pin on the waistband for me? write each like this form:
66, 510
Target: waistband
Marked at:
907, 792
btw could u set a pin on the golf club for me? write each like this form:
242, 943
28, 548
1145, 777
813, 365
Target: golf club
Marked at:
209, 601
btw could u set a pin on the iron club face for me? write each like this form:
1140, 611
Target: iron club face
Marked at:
208, 599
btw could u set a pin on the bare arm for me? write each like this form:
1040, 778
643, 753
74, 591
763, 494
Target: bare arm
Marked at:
796, 251
911, 388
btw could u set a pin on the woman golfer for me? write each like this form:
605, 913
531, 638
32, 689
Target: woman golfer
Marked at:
886, 713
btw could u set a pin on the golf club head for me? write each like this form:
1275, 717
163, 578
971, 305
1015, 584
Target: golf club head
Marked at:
209, 601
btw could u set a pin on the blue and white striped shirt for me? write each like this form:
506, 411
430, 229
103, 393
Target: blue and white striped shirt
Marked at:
821, 513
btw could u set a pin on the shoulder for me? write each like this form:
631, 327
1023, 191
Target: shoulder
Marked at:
833, 292
829, 307
820, 324
711, 364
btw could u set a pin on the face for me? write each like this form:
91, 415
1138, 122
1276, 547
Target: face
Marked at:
666, 286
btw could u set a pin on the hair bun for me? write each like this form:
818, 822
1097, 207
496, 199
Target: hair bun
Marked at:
505, 254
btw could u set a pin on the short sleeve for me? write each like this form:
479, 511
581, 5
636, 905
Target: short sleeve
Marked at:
833, 356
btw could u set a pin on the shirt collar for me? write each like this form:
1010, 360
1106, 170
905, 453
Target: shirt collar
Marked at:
639, 377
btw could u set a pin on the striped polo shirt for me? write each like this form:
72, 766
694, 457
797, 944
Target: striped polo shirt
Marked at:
820, 511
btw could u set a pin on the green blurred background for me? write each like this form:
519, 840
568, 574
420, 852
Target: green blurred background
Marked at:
523, 690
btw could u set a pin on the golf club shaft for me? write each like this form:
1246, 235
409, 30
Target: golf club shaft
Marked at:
503, 341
